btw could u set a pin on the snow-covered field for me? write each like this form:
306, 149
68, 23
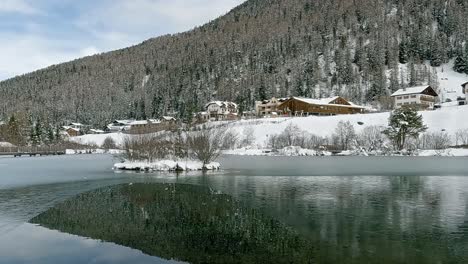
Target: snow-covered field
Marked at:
449, 119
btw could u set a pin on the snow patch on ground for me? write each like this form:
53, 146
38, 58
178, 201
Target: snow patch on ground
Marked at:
93, 151
98, 140
166, 165
6, 145
444, 153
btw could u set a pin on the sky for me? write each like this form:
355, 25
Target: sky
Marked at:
38, 33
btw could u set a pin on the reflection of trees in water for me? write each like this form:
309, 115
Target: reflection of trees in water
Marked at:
359, 219
180, 222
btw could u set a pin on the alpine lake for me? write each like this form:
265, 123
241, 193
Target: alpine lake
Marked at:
76, 209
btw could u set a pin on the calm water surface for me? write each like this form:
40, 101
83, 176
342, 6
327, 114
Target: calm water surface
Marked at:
75, 209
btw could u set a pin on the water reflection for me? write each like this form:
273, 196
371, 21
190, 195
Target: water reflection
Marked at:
182, 222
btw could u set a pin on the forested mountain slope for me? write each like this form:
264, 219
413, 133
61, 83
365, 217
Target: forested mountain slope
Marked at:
260, 49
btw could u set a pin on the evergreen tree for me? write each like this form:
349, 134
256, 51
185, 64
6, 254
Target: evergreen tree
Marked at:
403, 54
13, 134
404, 123
461, 64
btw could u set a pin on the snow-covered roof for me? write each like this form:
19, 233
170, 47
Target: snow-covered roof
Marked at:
411, 90
464, 84
221, 103
323, 101
327, 101
144, 122
96, 130
169, 118
124, 122
76, 124
72, 128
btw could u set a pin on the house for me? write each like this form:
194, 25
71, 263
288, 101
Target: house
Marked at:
298, 106
119, 125
249, 114
151, 125
168, 120
143, 126
219, 110
421, 97
465, 88
268, 107
201, 117
72, 132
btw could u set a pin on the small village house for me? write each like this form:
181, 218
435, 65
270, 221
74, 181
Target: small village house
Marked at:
421, 97
268, 108
143, 126
298, 106
119, 126
219, 110
201, 117
465, 88
73, 132
249, 114
168, 120
152, 125
74, 129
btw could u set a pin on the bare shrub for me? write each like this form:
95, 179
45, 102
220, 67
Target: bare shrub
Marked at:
149, 147
344, 135
230, 141
461, 137
206, 145
371, 138
434, 140
109, 143
294, 136
248, 136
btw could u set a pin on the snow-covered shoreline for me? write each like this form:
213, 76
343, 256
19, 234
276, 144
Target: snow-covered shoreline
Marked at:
166, 165
300, 152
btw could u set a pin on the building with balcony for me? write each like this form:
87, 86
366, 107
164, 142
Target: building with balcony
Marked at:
268, 108
421, 97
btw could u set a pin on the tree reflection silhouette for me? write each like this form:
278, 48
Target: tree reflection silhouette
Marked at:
181, 222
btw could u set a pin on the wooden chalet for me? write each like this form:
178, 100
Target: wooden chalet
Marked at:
298, 106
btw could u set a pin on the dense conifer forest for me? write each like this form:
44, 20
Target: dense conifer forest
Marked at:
262, 48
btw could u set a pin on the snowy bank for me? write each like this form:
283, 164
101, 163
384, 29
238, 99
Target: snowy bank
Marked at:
444, 153
94, 151
166, 165
292, 151
300, 152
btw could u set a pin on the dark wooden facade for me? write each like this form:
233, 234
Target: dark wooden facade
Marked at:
297, 107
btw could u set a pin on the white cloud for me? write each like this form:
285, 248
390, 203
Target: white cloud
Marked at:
17, 6
154, 17
26, 53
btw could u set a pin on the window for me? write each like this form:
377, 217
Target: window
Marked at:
406, 97
399, 98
